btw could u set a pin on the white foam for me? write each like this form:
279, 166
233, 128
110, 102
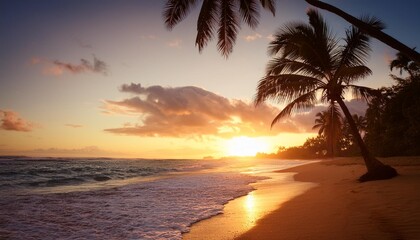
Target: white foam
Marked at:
161, 209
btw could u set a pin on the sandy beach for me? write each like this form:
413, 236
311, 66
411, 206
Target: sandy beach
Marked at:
330, 204
342, 208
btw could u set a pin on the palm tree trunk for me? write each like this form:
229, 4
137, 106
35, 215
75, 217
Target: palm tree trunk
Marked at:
374, 32
376, 170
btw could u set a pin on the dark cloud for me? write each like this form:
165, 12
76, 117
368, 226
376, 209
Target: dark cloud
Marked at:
11, 121
193, 111
58, 67
98, 66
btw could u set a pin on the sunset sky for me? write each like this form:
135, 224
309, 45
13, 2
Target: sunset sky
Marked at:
106, 78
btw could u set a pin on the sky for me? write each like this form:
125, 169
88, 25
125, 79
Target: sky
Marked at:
104, 78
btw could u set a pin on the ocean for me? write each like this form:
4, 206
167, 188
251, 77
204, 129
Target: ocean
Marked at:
82, 198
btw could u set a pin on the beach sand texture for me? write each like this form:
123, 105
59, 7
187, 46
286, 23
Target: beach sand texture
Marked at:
342, 208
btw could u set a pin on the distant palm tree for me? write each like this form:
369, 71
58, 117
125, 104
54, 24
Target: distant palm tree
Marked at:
224, 14
309, 66
330, 124
361, 123
403, 63
220, 13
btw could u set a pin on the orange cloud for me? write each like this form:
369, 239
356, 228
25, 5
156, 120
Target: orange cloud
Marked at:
73, 125
58, 68
192, 111
251, 38
12, 122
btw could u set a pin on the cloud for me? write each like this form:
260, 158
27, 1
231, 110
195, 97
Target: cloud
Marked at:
251, 38
192, 111
148, 37
58, 68
73, 125
12, 122
175, 43
271, 37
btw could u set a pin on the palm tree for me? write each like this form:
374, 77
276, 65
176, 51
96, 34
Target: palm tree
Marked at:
224, 14
309, 66
220, 13
361, 123
402, 62
329, 123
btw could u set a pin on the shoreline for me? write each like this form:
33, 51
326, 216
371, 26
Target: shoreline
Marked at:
340, 207
241, 214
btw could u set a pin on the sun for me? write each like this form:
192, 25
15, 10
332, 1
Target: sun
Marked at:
246, 146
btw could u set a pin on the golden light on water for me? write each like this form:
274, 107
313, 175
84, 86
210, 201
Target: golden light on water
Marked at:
246, 146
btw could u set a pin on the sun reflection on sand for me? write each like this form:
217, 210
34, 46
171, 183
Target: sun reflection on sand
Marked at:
250, 209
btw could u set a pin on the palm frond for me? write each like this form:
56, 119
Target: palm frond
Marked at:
306, 43
285, 87
280, 65
228, 28
249, 10
205, 23
304, 101
322, 41
269, 5
287, 35
365, 93
175, 11
356, 50
351, 74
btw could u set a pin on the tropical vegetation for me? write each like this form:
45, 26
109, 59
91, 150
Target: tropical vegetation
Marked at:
309, 66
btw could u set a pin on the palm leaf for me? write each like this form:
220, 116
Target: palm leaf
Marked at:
279, 65
228, 28
304, 101
365, 93
249, 10
175, 11
269, 5
352, 74
285, 87
205, 23
356, 50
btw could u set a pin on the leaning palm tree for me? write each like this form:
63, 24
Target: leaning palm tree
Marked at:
225, 14
329, 123
310, 66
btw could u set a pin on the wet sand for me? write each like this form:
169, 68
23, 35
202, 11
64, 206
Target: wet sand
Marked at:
241, 214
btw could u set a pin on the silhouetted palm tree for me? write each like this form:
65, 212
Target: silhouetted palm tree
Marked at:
330, 124
225, 14
403, 63
360, 122
309, 66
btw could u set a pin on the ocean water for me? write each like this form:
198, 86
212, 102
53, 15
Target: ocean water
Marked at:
63, 198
